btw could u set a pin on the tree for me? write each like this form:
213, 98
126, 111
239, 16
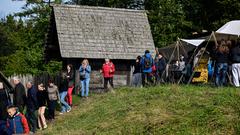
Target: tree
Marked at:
168, 21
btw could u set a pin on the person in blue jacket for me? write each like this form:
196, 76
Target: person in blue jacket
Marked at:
84, 71
146, 63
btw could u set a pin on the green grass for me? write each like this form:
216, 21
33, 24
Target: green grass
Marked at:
168, 109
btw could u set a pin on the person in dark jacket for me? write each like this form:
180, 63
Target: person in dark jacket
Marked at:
235, 59
221, 57
137, 73
19, 94
42, 97
146, 64
70, 78
3, 107
160, 65
32, 106
63, 93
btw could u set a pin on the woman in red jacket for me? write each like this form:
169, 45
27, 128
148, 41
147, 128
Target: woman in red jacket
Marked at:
108, 70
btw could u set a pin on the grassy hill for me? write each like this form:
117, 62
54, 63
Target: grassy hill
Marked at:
168, 109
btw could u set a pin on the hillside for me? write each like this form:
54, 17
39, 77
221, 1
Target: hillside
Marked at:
169, 109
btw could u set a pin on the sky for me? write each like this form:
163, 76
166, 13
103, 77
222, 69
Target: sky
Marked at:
10, 7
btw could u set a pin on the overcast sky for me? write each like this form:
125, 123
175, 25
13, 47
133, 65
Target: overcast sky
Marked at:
10, 6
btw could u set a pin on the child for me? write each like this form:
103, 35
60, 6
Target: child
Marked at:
17, 122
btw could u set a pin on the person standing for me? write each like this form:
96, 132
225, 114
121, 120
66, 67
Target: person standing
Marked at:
32, 106
19, 94
42, 97
84, 71
53, 96
63, 93
108, 70
235, 59
146, 63
161, 65
221, 56
70, 78
137, 73
4, 102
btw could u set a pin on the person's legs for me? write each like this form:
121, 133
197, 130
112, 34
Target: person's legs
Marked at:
69, 94
236, 74
83, 87
39, 118
50, 109
139, 79
65, 105
106, 83
32, 120
111, 81
224, 73
143, 79
218, 74
42, 111
87, 81
134, 80
2, 127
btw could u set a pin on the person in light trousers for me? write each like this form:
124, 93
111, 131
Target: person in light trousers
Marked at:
84, 73
235, 59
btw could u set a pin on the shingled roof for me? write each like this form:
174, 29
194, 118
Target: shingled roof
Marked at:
98, 32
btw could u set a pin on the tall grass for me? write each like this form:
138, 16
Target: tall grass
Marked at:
167, 109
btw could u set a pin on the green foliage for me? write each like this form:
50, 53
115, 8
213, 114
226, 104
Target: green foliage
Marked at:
22, 40
168, 21
168, 109
53, 67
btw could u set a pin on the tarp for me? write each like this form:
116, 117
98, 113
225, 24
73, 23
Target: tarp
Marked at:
231, 28
195, 42
183, 46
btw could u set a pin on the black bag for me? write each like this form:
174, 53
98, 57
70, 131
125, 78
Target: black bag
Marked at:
82, 75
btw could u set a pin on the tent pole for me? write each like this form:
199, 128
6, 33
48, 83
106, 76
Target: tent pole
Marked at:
170, 59
180, 79
190, 79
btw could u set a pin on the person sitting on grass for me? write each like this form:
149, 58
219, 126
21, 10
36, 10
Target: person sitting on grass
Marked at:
17, 122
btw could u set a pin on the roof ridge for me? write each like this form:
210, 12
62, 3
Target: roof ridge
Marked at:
97, 8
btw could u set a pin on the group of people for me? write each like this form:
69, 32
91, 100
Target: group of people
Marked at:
27, 111
147, 70
227, 57
20, 116
224, 62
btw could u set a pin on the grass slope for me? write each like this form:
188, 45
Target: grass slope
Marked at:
169, 109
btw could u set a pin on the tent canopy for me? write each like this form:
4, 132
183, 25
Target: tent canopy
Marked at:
180, 47
230, 28
195, 42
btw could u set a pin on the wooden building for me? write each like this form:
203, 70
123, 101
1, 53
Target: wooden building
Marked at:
78, 32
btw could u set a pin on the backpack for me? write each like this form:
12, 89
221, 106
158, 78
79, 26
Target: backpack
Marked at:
147, 62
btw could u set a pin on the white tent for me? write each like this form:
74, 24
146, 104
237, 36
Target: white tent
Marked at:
195, 42
230, 28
